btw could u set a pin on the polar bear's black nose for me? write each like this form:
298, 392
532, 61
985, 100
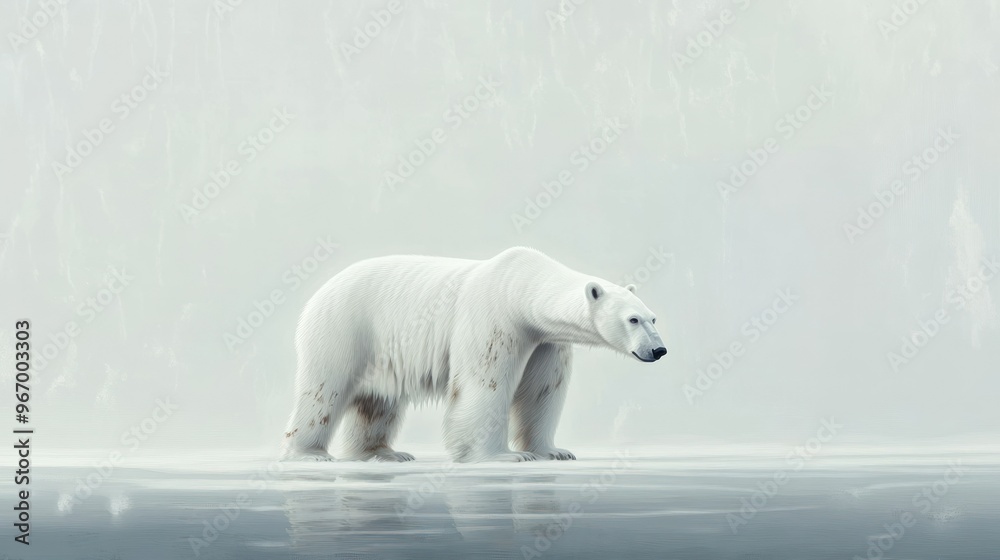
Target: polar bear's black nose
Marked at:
659, 353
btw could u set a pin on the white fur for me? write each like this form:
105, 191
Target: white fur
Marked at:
493, 338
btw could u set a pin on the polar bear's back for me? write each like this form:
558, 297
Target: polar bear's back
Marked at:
391, 289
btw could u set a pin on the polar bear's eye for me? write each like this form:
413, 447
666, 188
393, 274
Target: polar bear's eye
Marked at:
634, 321
654, 320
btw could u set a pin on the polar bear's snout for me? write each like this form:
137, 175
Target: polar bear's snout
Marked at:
652, 348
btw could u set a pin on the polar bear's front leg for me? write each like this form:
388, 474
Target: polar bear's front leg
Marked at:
484, 378
539, 400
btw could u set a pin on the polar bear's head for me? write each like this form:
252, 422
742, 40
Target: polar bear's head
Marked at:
623, 322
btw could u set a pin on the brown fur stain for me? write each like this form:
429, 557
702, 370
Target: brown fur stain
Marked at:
324, 420
312, 423
292, 433
493, 384
454, 393
496, 344
370, 407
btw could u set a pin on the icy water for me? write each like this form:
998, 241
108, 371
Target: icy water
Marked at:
627, 507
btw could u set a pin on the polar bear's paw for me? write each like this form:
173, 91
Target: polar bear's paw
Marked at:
312, 456
556, 454
513, 457
390, 456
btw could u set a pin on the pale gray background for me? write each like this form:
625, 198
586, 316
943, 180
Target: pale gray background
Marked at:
655, 187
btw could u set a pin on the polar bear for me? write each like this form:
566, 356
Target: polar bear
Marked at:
490, 337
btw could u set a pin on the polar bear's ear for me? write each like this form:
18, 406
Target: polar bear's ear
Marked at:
631, 288
594, 291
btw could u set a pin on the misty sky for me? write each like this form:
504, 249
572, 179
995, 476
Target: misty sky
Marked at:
797, 188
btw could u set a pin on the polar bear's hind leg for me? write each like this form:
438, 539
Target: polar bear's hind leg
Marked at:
321, 401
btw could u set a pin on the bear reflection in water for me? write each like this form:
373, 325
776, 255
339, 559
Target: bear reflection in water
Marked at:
352, 511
